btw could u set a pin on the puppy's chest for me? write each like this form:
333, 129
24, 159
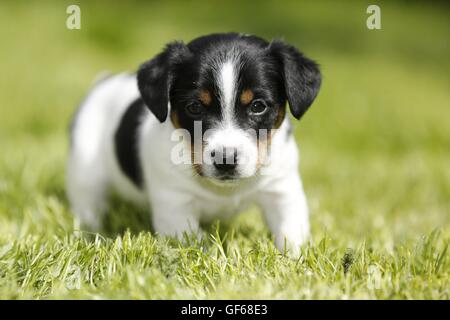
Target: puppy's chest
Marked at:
220, 207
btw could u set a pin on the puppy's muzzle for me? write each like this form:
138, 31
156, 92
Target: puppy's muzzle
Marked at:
225, 160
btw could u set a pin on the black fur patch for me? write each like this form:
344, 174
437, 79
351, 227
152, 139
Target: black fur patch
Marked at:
126, 142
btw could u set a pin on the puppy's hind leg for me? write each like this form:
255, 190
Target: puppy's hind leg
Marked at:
86, 190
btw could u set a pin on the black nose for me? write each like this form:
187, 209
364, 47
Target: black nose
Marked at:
225, 160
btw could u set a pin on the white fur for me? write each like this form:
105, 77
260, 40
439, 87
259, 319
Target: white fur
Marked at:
178, 198
227, 85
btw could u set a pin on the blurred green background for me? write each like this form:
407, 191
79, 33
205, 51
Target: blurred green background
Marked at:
375, 145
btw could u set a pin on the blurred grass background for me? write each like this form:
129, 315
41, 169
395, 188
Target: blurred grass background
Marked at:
375, 145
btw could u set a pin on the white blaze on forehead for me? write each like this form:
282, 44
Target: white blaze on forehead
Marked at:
227, 85
227, 134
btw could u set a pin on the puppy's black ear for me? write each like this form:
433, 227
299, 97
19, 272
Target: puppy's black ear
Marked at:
301, 77
154, 78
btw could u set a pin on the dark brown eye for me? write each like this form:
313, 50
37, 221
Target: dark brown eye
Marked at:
258, 107
194, 109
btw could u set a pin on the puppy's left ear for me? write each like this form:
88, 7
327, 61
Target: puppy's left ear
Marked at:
155, 76
301, 77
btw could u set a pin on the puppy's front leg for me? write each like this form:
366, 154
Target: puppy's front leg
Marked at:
286, 211
172, 214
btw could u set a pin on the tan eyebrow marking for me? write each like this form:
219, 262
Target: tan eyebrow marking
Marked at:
280, 116
205, 97
247, 96
175, 120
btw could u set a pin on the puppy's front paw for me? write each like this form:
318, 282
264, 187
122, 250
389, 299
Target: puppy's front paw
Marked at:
190, 238
186, 237
291, 244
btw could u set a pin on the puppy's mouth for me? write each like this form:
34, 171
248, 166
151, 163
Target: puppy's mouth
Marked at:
227, 177
219, 178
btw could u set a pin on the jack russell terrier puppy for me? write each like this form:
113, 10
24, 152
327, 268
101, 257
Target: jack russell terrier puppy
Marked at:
200, 132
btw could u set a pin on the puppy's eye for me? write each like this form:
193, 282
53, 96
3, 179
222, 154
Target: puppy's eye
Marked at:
194, 109
258, 107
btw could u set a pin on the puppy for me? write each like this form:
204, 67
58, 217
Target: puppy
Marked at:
199, 133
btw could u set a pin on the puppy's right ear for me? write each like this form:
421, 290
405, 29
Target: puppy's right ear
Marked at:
154, 78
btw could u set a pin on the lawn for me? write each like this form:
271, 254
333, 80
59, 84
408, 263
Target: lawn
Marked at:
375, 156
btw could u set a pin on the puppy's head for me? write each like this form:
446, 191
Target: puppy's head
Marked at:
233, 89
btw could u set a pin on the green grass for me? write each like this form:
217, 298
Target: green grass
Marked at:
375, 156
